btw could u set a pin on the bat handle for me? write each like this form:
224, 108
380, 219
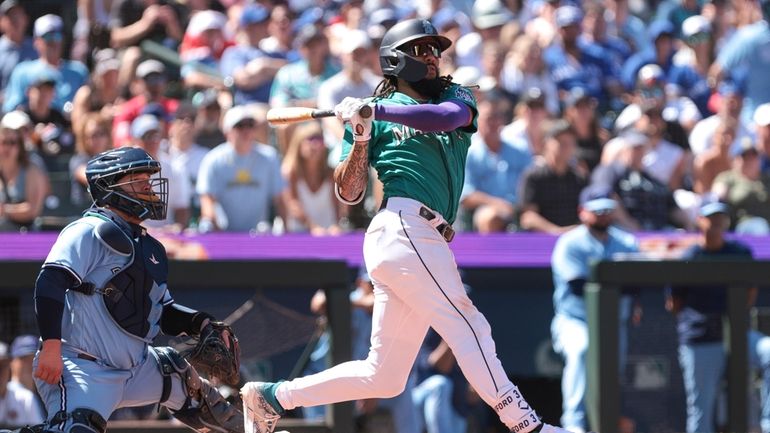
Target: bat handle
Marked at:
317, 114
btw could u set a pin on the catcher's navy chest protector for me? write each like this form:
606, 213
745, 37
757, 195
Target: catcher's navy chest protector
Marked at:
132, 296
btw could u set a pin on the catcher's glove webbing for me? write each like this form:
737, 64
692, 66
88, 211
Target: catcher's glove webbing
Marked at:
216, 353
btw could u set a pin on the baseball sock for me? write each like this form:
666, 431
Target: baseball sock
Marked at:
268, 392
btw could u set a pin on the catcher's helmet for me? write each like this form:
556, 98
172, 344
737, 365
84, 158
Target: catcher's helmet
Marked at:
397, 63
104, 172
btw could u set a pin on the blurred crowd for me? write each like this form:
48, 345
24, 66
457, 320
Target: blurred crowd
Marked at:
662, 101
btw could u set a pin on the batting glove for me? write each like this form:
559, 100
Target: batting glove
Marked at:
349, 110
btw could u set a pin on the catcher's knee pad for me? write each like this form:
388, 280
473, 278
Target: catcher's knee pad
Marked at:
204, 409
80, 420
171, 362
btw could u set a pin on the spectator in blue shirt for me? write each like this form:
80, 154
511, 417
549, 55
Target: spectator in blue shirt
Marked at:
15, 45
48, 43
662, 53
574, 62
748, 49
252, 69
492, 169
699, 312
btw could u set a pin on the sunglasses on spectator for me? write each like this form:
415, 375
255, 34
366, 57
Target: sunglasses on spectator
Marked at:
152, 136
698, 38
98, 134
603, 212
10, 142
53, 37
245, 124
421, 49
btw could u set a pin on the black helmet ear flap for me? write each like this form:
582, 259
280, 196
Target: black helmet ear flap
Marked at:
406, 67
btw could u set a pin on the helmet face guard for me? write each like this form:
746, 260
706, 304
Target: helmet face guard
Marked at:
132, 197
140, 198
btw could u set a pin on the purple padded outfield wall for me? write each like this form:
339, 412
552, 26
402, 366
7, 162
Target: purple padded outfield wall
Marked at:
471, 250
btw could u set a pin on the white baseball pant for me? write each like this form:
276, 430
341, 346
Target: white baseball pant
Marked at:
416, 286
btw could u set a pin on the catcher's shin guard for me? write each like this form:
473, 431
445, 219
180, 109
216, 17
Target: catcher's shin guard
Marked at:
205, 409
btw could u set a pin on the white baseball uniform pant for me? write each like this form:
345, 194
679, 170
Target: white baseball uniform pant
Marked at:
416, 286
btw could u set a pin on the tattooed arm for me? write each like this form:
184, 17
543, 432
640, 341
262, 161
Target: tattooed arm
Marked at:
352, 174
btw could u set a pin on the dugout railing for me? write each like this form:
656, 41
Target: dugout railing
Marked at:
330, 275
602, 294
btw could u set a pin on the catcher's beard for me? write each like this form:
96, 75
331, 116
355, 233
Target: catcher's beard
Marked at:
428, 87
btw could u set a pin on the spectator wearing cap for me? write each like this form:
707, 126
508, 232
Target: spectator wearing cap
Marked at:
731, 97
677, 12
208, 132
183, 151
355, 80
698, 48
23, 350
152, 80
526, 131
48, 43
15, 45
102, 92
493, 169
644, 202
251, 69
746, 50
664, 160
575, 251
201, 50
53, 129
580, 112
746, 189
146, 133
240, 180
18, 407
699, 312
661, 53
652, 93
573, 62
91, 138
488, 18
296, 84
549, 189
524, 69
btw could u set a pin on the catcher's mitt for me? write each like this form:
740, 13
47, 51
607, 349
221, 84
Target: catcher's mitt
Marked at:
217, 353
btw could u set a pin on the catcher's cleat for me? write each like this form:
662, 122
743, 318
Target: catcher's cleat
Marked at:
261, 410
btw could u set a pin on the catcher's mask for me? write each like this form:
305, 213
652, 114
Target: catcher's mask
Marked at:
142, 198
394, 59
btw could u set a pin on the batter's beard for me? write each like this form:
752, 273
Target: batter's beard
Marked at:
428, 87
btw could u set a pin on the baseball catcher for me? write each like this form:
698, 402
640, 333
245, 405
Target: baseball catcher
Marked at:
101, 298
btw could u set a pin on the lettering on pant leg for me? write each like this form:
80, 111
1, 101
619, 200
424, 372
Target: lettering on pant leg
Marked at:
503, 403
520, 426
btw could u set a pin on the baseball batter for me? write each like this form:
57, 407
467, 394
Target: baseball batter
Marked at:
101, 298
417, 144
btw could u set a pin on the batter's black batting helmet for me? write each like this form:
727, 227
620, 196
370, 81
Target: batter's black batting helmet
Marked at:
104, 172
397, 63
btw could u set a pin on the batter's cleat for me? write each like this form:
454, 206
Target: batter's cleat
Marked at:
261, 410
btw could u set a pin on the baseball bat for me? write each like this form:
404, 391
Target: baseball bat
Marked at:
287, 115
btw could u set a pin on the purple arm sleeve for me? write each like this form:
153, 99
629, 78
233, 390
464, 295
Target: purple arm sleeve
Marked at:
446, 116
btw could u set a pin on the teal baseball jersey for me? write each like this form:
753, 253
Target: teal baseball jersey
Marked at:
425, 166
